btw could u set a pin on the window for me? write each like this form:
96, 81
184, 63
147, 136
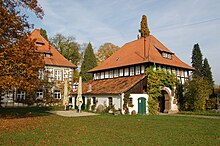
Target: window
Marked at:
186, 74
111, 74
94, 100
98, 75
50, 72
41, 74
131, 71
142, 69
174, 71
121, 72
94, 76
21, 95
102, 75
126, 72
65, 73
106, 74
40, 94
164, 55
137, 70
178, 72
110, 101
57, 94
116, 73
130, 101
169, 69
169, 56
58, 75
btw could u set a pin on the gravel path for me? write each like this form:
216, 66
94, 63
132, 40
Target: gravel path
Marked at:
72, 113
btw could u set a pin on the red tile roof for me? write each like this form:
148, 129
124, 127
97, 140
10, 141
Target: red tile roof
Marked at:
56, 59
133, 53
111, 86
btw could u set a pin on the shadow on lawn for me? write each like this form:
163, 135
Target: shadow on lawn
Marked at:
24, 112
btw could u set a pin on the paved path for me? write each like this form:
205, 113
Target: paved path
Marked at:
72, 113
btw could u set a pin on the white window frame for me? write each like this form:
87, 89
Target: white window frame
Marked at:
40, 94
142, 69
106, 74
121, 72
126, 73
111, 74
132, 71
116, 73
58, 74
21, 95
110, 103
137, 70
102, 75
57, 94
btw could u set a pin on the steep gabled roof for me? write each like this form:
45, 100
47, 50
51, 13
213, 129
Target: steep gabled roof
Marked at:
111, 86
56, 59
134, 53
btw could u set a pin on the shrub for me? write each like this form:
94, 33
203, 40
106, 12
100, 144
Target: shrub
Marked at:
100, 109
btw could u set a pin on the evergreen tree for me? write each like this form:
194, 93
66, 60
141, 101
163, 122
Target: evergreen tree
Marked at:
145, 32
206, 71
197, 60
88, 63
43, 32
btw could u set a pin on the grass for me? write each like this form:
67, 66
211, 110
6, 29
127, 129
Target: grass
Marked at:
205, 113
48, 129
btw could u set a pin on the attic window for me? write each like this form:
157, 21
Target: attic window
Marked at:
47, 54
39, 43
166, 55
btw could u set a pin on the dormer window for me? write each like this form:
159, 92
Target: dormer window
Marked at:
48, 54
166, 55
39, 43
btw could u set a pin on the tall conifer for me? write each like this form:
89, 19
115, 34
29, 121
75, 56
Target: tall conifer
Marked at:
88, 63
206, 71
197, 60
145, 32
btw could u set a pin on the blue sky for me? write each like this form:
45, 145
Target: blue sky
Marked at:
177, 24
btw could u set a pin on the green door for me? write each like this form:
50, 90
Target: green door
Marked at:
142, 106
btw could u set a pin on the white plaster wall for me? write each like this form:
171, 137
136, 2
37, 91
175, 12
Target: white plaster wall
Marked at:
135, 102
103, 99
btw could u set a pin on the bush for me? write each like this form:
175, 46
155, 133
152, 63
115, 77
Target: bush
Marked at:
100, 109
133, 112
211, 103
153, 106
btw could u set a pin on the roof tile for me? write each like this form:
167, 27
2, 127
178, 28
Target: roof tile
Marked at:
56, 59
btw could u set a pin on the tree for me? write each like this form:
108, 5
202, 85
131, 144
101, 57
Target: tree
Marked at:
88, 63
19, 62
144, 30
197, 91
43, 32
206, 71
197, 60
105, 51
67, 46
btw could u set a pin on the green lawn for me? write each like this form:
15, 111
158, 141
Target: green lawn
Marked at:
35, 127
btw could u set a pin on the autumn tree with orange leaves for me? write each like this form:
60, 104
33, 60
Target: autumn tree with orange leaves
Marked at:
19, 62
105, 51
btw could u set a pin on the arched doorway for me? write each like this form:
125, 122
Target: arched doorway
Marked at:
165, 100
